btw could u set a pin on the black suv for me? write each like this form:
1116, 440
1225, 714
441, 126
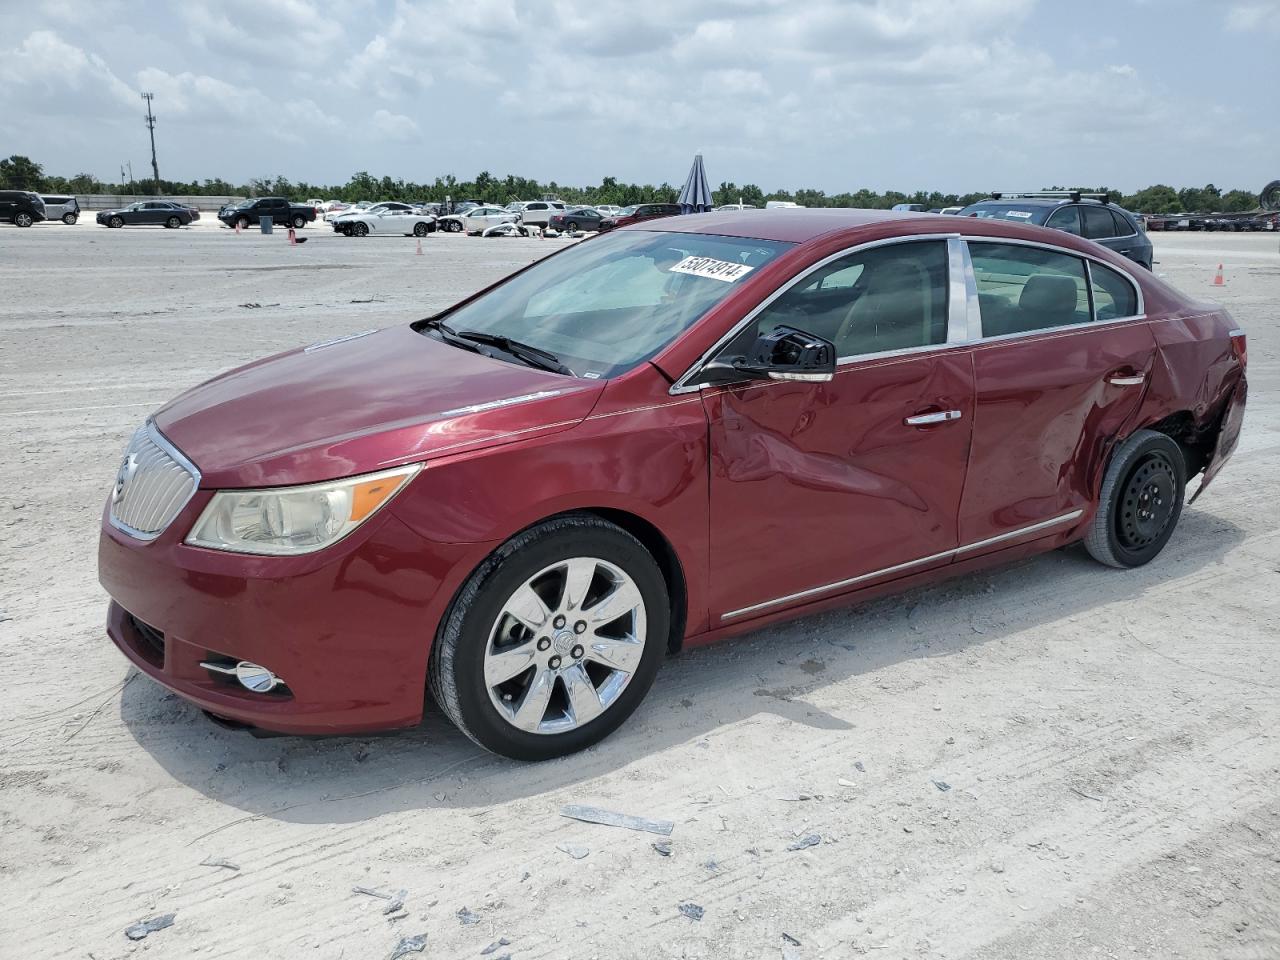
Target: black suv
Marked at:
20, 207
1092, 216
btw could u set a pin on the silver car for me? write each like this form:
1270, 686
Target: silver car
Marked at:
63, 208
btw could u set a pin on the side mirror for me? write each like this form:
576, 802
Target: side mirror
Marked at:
784, 353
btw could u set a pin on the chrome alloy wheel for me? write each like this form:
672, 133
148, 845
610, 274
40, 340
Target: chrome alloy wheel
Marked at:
565, 645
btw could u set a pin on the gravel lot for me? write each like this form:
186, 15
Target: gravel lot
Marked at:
1052, 760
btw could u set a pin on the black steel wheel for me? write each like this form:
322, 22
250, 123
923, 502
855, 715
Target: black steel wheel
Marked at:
1140, 502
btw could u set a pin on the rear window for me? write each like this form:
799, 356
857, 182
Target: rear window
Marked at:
1022, 288
999, 210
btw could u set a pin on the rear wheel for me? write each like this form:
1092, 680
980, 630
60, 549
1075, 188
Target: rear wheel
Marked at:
23, 220
361, 229
1140, 502
115, 222
173, 223
299, 221
419, 229
553, 641
69, 218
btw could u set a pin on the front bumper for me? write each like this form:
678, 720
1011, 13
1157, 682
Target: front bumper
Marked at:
348, 629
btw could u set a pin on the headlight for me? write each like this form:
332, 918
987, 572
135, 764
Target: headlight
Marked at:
286, 521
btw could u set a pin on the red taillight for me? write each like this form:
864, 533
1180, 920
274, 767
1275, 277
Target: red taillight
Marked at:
1239, 347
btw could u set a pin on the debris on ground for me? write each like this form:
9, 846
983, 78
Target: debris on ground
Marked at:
495, 946
218, 862
810, 840
398, 915
408, 945
573, 850
467, 917
691, 910
663, 847
857, 765
790, 939
611, 819
845, 783
141, 930
800, 798
396, 902
942, 785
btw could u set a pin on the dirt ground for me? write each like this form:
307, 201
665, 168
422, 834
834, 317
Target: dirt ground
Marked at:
1052, 760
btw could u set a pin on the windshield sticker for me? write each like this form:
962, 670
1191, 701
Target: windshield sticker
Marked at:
1019, 214
712, 269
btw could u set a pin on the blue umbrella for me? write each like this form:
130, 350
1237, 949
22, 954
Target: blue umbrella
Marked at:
696, 195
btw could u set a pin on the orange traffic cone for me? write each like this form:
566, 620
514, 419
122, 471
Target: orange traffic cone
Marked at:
293, 238
419, 250
237, 226
1217, 280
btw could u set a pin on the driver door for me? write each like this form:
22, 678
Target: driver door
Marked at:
821, 488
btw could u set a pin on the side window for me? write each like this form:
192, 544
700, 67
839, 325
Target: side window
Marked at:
1123, 227
1022, 289
1066, 219
1113, 295
886, 298
1098, 223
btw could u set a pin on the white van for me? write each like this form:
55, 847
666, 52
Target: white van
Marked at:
782, 205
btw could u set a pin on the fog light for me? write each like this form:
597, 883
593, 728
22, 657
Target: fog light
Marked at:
252, 677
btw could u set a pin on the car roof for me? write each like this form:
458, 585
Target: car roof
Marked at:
789, 224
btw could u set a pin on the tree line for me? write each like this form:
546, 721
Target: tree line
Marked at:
22, 173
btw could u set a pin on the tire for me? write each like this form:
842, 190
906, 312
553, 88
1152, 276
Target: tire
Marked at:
173, 223
116, 222
69, 219
453, 226
360, 229
243, 223
1140, 503
23, 219
623, 571
299, 221
346, 229
420, 230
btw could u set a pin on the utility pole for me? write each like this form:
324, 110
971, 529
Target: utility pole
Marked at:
151, 125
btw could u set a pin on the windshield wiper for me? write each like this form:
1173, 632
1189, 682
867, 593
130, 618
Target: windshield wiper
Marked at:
533, 356
450, 335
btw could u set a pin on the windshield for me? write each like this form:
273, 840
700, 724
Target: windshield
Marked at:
1017, 212
610, 303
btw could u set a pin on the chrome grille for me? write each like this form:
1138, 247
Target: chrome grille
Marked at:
154, 483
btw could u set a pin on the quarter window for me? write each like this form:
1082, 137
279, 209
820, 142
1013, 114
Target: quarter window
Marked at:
885, 298
1123, 227
1113, 295
1022, 289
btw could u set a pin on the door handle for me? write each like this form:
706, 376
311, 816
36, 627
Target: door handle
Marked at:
927, 419
1126, 381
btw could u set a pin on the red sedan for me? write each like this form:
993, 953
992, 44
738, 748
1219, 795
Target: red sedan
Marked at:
653, 439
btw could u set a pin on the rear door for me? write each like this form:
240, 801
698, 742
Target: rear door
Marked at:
1059, 373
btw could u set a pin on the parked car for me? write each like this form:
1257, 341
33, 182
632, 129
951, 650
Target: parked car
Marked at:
21, 207
387, 222
655, 439
639, 212
280, 210
477, 219
909, 207
584, 218
64, 208
1093, 218
157, 213
782, 205
608, 209
735, 206
538, 213
337, 220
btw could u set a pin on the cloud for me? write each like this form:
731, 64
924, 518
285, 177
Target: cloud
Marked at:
393, 126
45, 74
1262, 17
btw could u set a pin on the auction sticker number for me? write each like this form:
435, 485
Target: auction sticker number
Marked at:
712, 269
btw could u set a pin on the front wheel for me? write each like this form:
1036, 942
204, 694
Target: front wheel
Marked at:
419, 229
1140, 502
69, 219
453, 226
361, 229
553, 641
115, 222
243, 223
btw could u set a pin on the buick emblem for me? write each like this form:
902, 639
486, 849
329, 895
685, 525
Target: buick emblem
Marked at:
127, 470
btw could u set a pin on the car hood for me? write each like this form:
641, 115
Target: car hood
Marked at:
362, 403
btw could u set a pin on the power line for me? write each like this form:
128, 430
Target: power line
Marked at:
151, 126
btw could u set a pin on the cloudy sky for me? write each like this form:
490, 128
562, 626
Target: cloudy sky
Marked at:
833, 94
